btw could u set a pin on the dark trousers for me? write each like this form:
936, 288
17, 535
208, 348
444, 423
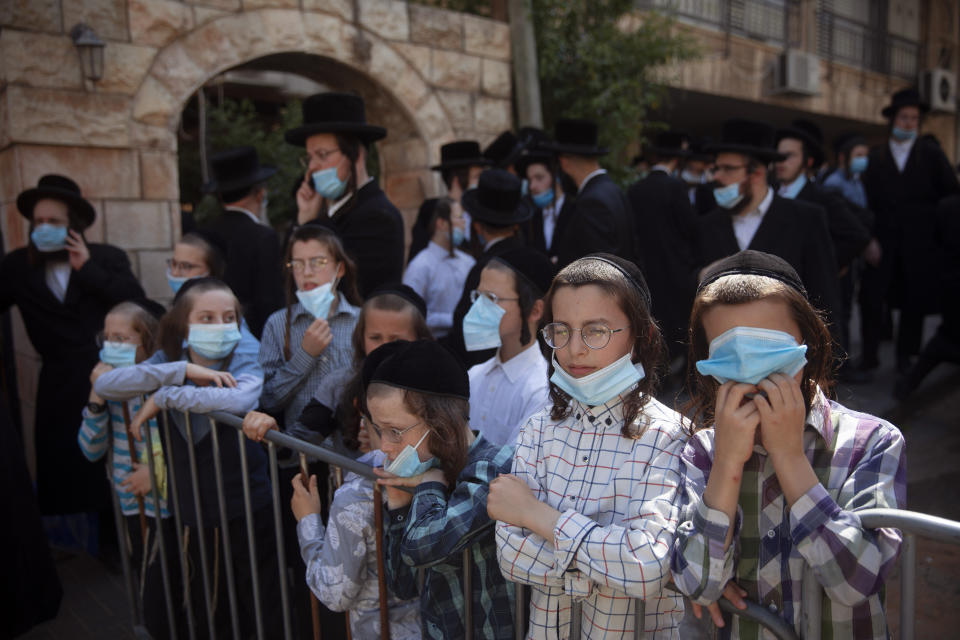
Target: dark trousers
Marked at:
148, 571
872, 299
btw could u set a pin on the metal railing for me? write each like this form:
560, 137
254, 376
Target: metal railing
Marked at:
868, 46
774, 21
911, 523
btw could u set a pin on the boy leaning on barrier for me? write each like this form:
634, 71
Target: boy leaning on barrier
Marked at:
776, 472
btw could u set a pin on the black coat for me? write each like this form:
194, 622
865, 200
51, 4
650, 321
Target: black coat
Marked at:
600, 221
454, 339
372, 232
64, 334
420, 232
850, 236
666, 228
795, 231
253, 266
905, 206
703, 200
534, 229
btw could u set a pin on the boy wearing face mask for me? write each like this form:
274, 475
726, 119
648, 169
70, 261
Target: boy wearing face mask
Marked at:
508, 304
750, 215
64, 288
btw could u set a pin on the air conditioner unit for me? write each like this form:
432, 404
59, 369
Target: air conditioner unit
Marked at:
938, 87
797, 72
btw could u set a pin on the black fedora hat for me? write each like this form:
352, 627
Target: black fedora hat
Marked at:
57, 187
459, 154
503, 150
497, 199
235, 169
532, 157
908, 97
809, 134
749, 137
576, 137
334, 113
670, 144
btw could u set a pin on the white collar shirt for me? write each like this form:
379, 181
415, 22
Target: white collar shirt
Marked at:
550, 215
590, 177
746, 224
336, 206
439, 277
901, 151
503, 395
58, 278
246, 211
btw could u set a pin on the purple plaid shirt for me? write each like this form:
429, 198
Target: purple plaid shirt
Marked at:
860, 461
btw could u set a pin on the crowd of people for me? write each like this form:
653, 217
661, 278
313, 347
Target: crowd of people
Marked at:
509, 375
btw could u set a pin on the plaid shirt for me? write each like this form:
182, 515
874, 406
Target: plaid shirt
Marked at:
620, 500
430, 530
860, 461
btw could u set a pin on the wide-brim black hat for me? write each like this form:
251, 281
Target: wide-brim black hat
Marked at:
749, 137
334, 113
672, 144
530, 158
57, 187
235, 169
753, 263
909, 97
424, 366
503, 150
809, 134
497, 200
576, 137
460, 154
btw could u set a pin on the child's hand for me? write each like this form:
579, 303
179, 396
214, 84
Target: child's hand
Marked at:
202, 376
100, 369
782, 416
731, 592
510, 500
736, 423
304, 500
256, 425
138, 481
396, 498
317, 337
148, 411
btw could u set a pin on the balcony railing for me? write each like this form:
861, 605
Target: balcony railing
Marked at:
847, 41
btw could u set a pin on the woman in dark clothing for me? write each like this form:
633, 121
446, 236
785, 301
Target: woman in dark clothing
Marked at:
64, 288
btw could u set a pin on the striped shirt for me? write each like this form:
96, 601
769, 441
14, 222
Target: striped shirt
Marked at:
431, 529
860, 462
94, 439
620, 501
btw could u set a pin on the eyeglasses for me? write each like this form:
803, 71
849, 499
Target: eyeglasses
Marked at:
727, 168
320, 155
492, 297
315, 264
102, 337
393, 435
595, 335
182, 267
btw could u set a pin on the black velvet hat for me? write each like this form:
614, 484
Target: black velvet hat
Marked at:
235, 169
629, 270
530, 264
749, 137
497, 199
334, 113
212, 238
153, 308
809, 134
503, 150
754, 263
532, 157
57, 187
576, 137
403, 291
909, 97
423, 366
670, 144
459, 154
847, 141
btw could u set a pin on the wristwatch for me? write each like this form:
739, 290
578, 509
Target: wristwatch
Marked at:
95, 408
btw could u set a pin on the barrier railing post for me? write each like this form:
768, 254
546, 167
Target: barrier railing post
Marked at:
467, 594
908, 601
639, 612
201, 543
251, 540
575, 619
381, 565
158, 524
519, 609
224, 530
281, 544
314, 603
121, 525
178, 525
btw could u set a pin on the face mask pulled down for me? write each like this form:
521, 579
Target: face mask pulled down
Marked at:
318, 300
600, 386
407, 464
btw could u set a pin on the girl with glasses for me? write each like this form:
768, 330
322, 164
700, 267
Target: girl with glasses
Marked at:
591, 507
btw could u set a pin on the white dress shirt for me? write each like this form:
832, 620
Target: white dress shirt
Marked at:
901, 151
58, 278
438, 278
503, 395
246, 211
745, 225
550, 215
590, 177
344, 198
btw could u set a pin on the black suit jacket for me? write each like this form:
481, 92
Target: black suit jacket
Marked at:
600, 221
534, 233
793, 230
703, 200
850, 236
666, 228
371, 229
253, 270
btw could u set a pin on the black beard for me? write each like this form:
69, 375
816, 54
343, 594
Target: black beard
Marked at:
741, 206
61, 255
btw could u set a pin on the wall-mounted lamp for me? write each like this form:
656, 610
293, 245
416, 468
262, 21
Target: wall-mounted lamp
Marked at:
90, 47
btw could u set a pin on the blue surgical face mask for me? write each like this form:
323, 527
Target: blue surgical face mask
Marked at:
481, 325
544, 199
328, 184
794, 189
729, 196
858, 164
690, 178
407, 464
903, 134
49, 237
175, 282
524, 187
751, 354
318, 300
118, 354
600, 386
213, 341
458, 236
